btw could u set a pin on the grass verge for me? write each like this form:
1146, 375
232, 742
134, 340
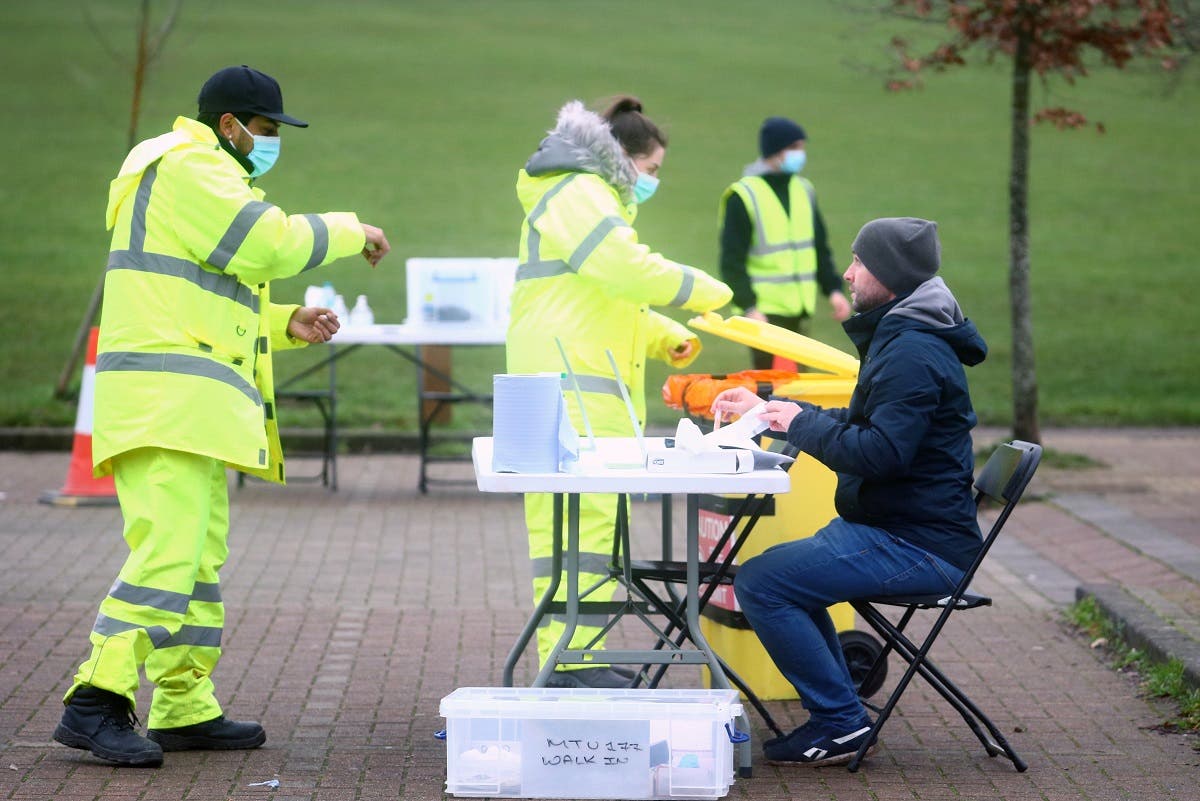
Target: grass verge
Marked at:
1155, 679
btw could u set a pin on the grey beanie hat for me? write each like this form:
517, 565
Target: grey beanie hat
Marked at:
901, 252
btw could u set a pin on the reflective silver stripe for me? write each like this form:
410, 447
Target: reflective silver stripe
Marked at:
534, 241
595, 563
594, 621
128, 361
203, 591
767, 250
203, 636
237, 232
758, 223
137, 225
225, 286
782, 279
594, 383
107, 626
320, 248
542, 269
164, 600
685, 288
593, 240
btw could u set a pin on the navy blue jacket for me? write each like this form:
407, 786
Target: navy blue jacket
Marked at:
902, 450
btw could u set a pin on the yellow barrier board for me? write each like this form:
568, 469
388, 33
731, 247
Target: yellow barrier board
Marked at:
773, 339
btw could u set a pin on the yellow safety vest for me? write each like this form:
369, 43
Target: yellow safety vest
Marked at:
584, 278
782, 263
187, 331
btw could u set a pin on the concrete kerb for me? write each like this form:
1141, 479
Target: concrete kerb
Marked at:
1143, 628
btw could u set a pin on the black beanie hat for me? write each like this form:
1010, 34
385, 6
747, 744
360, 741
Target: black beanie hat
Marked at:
776, 134
901, 252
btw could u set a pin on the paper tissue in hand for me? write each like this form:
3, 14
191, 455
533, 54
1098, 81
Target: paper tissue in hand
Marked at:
531, 431
731, 449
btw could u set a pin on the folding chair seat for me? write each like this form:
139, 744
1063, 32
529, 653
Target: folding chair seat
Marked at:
1002, 480
324, 400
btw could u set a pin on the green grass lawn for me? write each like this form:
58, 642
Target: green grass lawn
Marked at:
423, 111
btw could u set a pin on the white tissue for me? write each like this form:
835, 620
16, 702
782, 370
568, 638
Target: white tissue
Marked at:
530, 428
741, 433
716, 452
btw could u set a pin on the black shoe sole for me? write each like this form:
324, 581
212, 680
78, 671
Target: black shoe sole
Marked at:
146, 759
839, 759
175, 742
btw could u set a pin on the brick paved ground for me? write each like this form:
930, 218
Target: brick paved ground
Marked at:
352, 614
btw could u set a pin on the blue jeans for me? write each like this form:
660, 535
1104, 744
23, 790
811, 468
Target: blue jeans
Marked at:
785, 590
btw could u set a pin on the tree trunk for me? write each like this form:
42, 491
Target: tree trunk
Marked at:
1025, 395
139, 74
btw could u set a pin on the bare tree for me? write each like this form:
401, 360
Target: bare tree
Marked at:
148, 49
1049, 38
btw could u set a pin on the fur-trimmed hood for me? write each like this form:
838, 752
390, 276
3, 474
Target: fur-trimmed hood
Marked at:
583, 142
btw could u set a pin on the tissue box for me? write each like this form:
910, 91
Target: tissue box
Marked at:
681, 460
515, 742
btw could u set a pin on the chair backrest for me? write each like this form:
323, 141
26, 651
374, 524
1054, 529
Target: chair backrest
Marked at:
1008, 471
1003, 479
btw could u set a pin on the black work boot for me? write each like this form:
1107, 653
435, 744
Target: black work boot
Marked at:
102, 722
217, 734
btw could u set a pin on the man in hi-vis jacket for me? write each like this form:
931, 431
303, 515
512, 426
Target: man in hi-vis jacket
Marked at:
184, 390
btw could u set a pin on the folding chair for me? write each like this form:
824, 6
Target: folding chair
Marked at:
1002, 480
719, 568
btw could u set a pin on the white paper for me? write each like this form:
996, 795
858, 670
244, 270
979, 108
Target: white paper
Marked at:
741, 432
738, 435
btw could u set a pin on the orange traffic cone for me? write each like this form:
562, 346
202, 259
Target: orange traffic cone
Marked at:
81, 489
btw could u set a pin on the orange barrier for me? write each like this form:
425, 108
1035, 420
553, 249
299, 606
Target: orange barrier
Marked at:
694, 392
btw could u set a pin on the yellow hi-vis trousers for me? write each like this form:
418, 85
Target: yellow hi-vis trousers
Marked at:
597, 524
164, 611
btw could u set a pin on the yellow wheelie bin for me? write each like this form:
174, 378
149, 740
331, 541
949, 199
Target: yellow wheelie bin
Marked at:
799, 513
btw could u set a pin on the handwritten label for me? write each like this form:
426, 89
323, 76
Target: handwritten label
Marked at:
585, 759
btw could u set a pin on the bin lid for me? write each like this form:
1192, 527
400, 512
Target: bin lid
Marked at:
779, 341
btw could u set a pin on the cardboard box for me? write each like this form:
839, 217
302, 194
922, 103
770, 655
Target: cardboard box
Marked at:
511, 742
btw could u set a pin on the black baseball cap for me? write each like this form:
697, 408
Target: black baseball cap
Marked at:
243, 88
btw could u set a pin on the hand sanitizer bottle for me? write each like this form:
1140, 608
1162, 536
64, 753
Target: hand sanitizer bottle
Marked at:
314, 296
339, 308
361, 314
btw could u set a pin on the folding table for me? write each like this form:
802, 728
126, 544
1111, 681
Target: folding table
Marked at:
406, 341
595, 475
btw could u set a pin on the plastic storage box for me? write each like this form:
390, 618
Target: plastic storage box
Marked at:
514, 742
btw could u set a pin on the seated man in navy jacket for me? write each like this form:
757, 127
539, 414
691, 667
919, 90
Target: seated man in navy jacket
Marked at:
903, 455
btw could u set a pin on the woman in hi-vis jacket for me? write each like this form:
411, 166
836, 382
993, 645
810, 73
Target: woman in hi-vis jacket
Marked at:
586, 281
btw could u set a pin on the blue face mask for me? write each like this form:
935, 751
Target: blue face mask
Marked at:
265, 152
793, 161
645, 187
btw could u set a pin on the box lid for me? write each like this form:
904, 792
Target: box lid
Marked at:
586, 703
779, 341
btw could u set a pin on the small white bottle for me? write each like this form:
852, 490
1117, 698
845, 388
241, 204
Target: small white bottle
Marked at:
339, 308
329, 293
361, 314
314, 296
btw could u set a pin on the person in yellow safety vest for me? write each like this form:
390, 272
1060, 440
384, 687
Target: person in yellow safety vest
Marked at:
774, 248
183, 390
585, 281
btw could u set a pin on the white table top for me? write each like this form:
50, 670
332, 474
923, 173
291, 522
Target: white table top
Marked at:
594, 476
408, 334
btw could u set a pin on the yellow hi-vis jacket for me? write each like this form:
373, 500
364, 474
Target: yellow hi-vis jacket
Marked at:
782, 262
584, 278
184, 358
